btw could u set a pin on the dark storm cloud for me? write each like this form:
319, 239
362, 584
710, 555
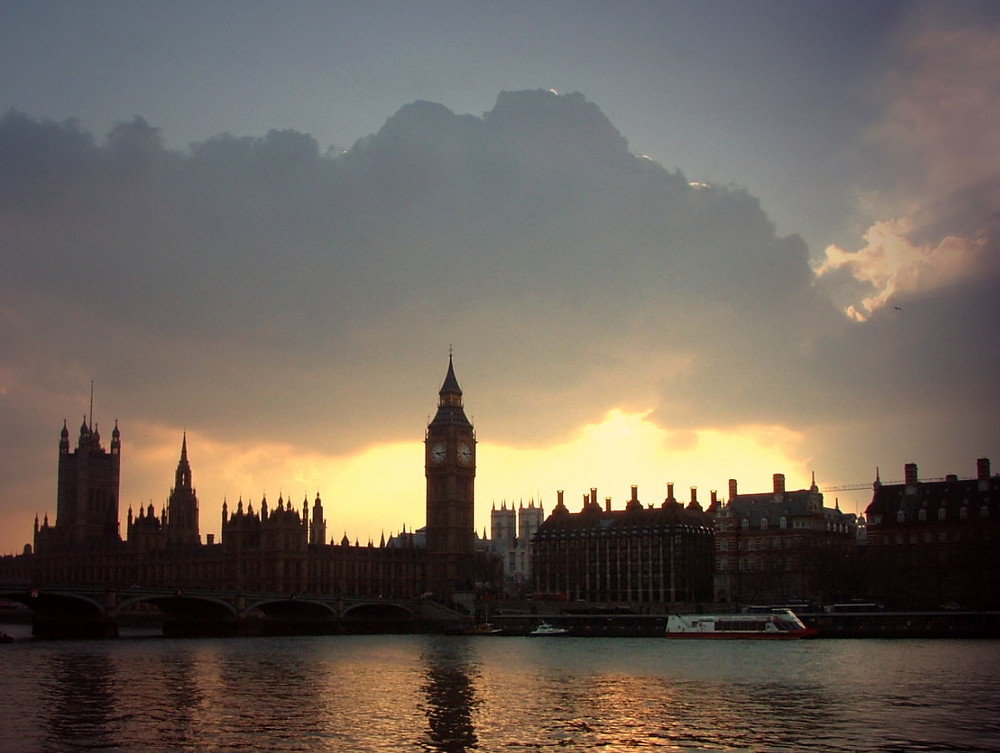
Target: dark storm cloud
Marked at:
264, 286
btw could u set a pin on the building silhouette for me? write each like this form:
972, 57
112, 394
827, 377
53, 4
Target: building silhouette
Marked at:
450, 469
639, 555
927, 543
280, 548
935, 543
87, 494
511, 540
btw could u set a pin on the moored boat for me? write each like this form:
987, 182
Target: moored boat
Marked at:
777, 624
546, 628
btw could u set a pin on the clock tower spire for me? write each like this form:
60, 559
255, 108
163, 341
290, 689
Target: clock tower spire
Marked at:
450, 468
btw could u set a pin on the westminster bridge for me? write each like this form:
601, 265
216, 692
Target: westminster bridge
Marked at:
77, 611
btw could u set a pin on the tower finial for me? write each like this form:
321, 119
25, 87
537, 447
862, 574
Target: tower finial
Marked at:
90, 421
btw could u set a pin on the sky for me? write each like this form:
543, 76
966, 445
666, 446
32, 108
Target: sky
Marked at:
666, 242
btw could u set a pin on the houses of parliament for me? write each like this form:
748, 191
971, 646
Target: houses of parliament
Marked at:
925, 542
283, 548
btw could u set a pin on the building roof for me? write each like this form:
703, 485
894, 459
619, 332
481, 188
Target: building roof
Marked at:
594, 518
774, 506
952, 494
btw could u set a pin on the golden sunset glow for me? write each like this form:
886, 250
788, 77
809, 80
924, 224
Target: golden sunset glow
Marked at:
649, 272
624, 449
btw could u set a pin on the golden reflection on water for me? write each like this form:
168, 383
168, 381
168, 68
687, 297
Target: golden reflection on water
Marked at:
464, 694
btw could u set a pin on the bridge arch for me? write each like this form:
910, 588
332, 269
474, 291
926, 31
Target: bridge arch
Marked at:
378, 617
297, 605
180, 603
58, 613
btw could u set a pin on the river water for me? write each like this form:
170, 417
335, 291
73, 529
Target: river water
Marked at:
480, 693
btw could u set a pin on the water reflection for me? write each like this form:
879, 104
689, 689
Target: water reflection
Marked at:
81, 702
451, 696
383, 694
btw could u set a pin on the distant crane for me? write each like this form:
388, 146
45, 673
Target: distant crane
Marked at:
847, 487
859, 487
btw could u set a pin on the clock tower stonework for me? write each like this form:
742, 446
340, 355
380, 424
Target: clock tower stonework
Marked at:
450, 468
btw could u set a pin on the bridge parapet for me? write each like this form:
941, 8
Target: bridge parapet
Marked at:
96, 611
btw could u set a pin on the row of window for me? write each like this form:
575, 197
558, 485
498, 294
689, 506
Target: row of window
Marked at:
619, 532
942, 514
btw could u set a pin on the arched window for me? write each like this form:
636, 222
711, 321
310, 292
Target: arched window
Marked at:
763, 524
900, 516
745, 524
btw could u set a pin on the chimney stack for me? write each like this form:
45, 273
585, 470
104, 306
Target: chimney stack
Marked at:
732, 489
670, 490
910, 474
694, 495
983, 469
607, 504
779, 483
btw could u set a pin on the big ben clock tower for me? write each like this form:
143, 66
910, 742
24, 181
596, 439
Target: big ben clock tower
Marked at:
450, 467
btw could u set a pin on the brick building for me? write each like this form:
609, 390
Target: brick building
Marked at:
773, 547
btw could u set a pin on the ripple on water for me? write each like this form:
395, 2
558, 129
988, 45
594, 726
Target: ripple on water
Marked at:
455, 694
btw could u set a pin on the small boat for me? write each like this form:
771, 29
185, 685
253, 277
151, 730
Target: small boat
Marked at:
546, 628
777, 624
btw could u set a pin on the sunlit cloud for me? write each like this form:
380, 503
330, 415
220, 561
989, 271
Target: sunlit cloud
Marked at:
939, 137
891, 264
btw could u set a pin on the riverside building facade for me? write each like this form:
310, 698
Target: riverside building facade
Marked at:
778, 546
636, 556
935, 543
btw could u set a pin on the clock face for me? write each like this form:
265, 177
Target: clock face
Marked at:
464, 453
438, 453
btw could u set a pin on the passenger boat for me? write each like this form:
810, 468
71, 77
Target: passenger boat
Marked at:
547, 629
778, 624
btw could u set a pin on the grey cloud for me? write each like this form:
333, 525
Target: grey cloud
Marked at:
268, 287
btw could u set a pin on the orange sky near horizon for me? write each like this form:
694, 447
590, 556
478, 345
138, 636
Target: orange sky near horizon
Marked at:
381, 489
